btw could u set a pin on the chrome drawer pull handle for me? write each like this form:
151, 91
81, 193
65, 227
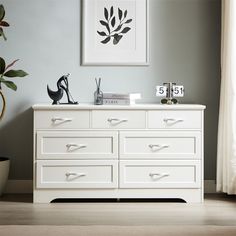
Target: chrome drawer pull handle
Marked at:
76, 146
167, 120
157, 146
68, 174
158, 175
55, 119
111, 120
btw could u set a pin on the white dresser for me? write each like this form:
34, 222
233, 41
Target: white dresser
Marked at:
139, 151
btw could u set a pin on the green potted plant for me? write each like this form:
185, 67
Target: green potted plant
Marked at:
6, 73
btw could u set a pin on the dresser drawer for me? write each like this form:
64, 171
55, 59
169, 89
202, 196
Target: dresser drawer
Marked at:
57, 119
160, 174
160, 145
77, 145
77, 174
119, 119
180, 119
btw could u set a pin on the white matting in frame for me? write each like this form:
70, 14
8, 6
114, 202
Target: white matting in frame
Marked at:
115, 32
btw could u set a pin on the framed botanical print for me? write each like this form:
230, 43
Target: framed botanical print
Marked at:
115, 32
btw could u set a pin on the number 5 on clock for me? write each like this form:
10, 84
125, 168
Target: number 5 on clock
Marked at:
161, 91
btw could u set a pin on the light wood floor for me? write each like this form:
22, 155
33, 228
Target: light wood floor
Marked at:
216, 210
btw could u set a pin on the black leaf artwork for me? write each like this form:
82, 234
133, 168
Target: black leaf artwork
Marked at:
120, 13
117, 38
125, 14
125, 30
113, 21
106, 13
118, 28
102, 33
115, 25
106, 40
111, 11
128, 21
105, 24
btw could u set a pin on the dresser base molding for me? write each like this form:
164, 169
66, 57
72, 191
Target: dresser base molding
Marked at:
188, 195
26, 186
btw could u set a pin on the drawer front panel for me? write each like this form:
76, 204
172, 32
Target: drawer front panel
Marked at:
160, 174
160, 145
120, 119
175, 119
77, 174
75, 145
61, 119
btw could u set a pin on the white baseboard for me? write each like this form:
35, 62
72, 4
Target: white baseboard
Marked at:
26, 186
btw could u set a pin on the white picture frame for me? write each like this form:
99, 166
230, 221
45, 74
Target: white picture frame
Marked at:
115, 32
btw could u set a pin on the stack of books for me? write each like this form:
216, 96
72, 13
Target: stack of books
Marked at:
120, 98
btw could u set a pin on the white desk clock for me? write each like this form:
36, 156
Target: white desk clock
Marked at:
169, 90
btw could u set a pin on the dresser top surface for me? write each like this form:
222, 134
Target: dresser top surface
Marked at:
87, 106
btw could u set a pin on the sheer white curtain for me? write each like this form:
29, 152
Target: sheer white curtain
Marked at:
226, 153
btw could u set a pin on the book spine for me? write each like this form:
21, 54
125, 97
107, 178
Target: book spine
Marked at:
107, 101
115, 96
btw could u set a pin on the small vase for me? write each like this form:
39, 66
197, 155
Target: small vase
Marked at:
98, 97
4, 171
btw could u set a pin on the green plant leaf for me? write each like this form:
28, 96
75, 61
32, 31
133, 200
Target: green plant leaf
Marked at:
4, 23
2, 65
2, 33
10, 84
2, 12
11, 64
15, 73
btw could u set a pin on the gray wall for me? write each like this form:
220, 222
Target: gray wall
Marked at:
46, 36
